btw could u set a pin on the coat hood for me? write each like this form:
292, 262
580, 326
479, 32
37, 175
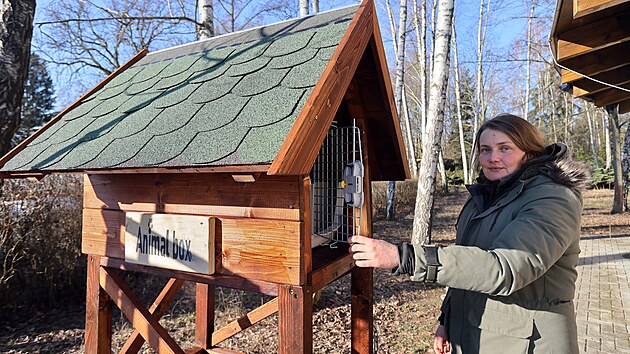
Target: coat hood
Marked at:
557, 165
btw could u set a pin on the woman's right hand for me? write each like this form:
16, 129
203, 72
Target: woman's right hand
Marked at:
441, 345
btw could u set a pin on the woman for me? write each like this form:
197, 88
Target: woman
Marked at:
511, 274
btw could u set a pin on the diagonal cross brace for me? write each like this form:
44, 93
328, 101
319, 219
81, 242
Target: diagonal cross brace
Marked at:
131, 306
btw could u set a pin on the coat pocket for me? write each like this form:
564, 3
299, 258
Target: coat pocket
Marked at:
497, 332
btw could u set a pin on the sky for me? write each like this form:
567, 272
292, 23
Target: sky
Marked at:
508, 18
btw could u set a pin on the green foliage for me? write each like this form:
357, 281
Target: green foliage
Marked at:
38, 101
603, 177
40, 243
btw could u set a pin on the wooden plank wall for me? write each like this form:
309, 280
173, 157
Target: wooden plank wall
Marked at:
258, 228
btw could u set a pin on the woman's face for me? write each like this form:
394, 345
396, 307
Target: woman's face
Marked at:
498, 155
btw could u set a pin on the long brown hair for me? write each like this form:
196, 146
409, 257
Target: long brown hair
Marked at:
522, 133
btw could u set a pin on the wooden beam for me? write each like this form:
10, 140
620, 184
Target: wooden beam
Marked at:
593, 36
331, 271
98, 311
611, 96
157, 309
306, 230
582, 8
295, 319
131, 306
226, 281
246, 321
204, 315
624, 106
596, 62
618, 76
299, 150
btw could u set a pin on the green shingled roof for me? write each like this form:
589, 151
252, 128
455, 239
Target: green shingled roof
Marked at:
229, 100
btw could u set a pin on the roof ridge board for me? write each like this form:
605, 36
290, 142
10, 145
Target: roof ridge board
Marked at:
224, 39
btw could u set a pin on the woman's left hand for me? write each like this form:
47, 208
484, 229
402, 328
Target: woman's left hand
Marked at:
369, 252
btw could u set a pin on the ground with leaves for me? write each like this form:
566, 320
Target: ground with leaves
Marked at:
404, 312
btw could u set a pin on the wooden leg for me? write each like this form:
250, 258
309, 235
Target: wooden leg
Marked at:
204, 319
98, 312
295, 319
362, 310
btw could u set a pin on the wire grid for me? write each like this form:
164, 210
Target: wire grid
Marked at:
332, 217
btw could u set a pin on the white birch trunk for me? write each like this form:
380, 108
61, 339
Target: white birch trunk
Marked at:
591, 134
206, 18
529, 58
625, 167
606, 133
303, 8
458, 105
435, 125
315, 6
479, 110
421, 45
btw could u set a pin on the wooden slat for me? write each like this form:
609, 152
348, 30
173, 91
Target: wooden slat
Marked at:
306, 229
131, 306
300, 148
583, 8
618, 76
272, 197
331, 271
98, 311
596, 62
78, 101
157, 309
103, 233
592, 36
226, 281
295, 319
261, 249
246, 321
611, 96
204, 315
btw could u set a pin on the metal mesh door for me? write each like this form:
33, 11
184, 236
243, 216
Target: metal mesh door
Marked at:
337, 186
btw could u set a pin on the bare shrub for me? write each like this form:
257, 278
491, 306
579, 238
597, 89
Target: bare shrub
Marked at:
40, 243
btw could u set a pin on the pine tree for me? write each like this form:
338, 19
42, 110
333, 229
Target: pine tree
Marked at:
38, 101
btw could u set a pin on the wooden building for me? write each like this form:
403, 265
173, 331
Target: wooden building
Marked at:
590, 41
221, 136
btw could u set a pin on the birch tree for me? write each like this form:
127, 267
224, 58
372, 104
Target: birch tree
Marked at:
591, 135
458, 105
625, 167
529, 58
16, 31
435, 125
206, 19
613, 115
400, 63
303, 8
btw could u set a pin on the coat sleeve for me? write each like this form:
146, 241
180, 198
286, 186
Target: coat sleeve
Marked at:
530, 244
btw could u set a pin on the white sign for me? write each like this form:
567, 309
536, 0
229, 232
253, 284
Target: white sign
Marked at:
182, 242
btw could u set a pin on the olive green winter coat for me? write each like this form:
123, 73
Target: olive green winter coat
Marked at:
512, 273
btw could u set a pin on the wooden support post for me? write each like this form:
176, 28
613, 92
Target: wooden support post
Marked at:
295, 319
362, 310
204, 318
98, 311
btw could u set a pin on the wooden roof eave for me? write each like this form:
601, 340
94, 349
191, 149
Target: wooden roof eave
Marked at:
301, 146
55, 119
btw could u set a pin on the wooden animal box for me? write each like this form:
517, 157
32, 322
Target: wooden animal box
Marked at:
199, 166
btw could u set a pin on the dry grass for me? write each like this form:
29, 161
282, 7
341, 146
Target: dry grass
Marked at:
404, 312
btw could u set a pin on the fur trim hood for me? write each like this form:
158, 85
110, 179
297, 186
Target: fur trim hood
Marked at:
557, 165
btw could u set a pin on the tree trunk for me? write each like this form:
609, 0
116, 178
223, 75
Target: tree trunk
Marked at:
479, 106
458, 105
16, 31
591, 134
529, 59
206, 18
421, 41
625, 167
303, 8
606, 132
315, 6
613, 115
435, 125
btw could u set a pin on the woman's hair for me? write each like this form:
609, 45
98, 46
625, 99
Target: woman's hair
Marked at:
522, 133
